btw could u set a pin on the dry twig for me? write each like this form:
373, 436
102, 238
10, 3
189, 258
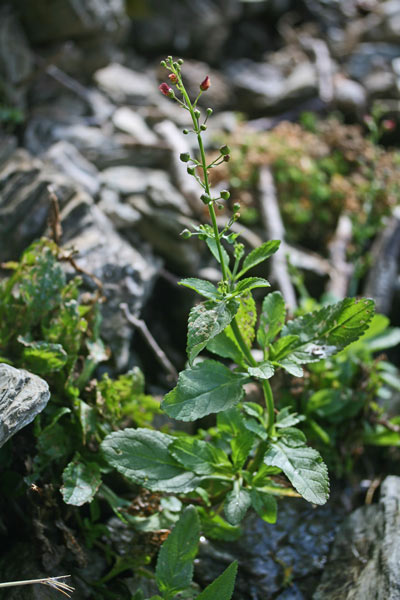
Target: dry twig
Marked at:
53, 582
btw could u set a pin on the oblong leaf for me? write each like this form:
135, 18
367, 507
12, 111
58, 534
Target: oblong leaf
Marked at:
207, 388
201, 286
272, 318
222, 588
250, 283
258, 255
237, 503
81, 481
264, 370
205, 322
265, 505
304, 468
142, 456
199, 456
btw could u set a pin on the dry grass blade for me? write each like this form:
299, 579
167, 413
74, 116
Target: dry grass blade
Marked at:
53, 582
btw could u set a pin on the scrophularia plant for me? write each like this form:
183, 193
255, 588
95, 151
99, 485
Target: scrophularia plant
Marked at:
235, 467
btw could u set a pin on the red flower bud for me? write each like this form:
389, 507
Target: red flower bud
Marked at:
389, 124
205, 84
166, 90
173, 78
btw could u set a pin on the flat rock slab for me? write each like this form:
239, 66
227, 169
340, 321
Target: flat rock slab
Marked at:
365, 559
22, 397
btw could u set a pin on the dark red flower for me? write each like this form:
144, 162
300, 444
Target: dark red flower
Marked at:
166, 90
173, 78
205, 84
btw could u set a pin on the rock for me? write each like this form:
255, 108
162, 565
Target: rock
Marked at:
381, 84
349, 96
368, 56
126, 275
8, 145
67, 159
296, 546
24, 201
131, 180
125, 86
131, 122
22, 397
365, 558
65, 19
122, 215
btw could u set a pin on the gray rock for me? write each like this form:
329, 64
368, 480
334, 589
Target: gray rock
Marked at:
122, 215
349, 96
65, 19
67, 159
381, 84
368, 56
131, 180
8, 145
127, 275
22, 397
125, 85
131, 122
365, 558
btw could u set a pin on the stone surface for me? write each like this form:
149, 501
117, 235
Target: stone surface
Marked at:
67, 159
16, 59
349, 96
365, 558
22, 397
131, 122
125, 85
127, 275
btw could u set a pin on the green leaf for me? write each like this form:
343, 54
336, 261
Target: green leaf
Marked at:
224, 346
201, 286
272, 318
216, 527
222, 588
241, 446
174, 570
81, 481
245, 318
237, 503
250, 283
285, 418
327, 331
43, 357
264, 370
205, 322
142, 456
207, 388
258, 255
293, 437
284, 346
291, 367
199, 456
212, 244
265, 505
304, 468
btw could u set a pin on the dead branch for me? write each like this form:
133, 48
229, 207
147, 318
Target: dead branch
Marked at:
341, 271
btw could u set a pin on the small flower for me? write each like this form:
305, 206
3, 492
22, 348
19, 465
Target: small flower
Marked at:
166, 90
205, 84
173, 78
389, 124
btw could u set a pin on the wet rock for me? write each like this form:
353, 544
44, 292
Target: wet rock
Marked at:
65, 19
125, 86
296, 547
364, 562
22, 397
67, 159
126, 275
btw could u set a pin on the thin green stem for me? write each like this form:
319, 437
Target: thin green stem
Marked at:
269, 401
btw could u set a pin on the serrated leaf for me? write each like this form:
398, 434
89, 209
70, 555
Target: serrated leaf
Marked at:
264, 370
81, 481
265, 505
272, 318
205, 322
291, 367
201, 286
304, 468
284, 346
199, 456
285, 418
328, 330
245, 318
293, 437
250, 283
222, 588
212, 245
237, 503
255, 427
258, 255
207, 388
224, 346
174, 570
142, 456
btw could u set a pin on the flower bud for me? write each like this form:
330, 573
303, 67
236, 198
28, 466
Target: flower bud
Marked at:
205, 198
163, 63
180, 61
236, 207
186, 234
173, 78
205, 84
203, 127
166, 90
209, 112
227, 157
190, 171
225, 195
224, 150
197, 113
185, 156
389, 124
185, 131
